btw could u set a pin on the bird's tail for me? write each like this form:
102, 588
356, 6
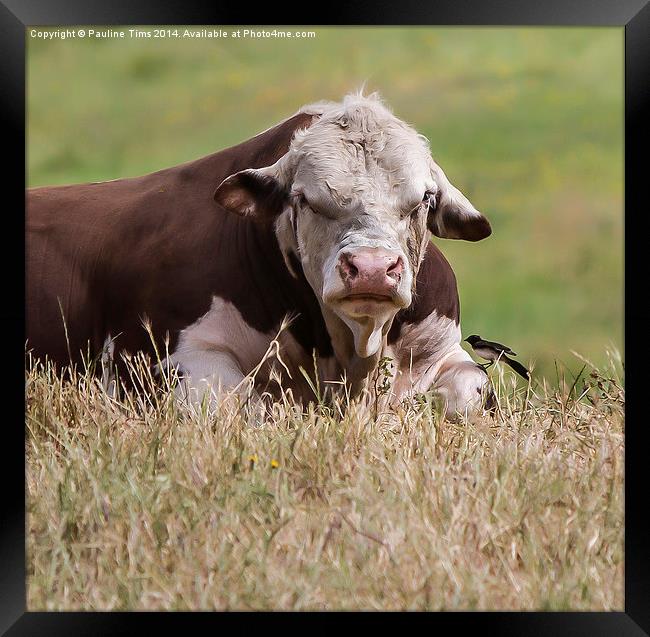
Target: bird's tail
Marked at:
517, 366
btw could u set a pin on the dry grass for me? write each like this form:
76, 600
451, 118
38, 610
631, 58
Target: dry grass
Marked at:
137, 502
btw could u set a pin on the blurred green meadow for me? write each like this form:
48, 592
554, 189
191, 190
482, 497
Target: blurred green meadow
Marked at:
528, 122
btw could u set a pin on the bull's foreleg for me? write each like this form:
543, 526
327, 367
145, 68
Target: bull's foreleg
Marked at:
463, 386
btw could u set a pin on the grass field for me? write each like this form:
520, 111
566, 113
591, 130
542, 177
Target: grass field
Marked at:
137, 502
527, 122
140, 503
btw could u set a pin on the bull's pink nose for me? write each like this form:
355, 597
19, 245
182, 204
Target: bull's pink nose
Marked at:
371, 270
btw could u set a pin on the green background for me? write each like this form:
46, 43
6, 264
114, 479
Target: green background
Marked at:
527, 122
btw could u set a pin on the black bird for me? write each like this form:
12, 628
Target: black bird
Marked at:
493, 352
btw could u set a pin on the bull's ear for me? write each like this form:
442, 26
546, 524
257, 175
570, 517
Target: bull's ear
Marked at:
254, 192
454, 217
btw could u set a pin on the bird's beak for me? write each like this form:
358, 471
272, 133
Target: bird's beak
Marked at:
465, 340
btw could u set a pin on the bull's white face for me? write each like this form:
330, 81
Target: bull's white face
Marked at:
359, 214
354, 200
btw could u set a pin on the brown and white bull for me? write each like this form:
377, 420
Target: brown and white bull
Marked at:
325, 218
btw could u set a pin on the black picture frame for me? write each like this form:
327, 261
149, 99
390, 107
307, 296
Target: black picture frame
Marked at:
633, 15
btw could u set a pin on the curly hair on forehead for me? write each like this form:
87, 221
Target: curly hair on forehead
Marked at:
359, 138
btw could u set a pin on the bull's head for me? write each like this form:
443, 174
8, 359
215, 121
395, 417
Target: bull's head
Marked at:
353, 199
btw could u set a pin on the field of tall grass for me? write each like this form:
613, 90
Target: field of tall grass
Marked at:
138, 501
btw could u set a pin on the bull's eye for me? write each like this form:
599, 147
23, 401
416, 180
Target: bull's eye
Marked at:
430, 200
303, 203
428, 203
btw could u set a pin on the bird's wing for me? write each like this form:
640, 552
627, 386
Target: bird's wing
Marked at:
498, 346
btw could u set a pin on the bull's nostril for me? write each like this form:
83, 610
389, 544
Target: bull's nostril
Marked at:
348, 269
395, 269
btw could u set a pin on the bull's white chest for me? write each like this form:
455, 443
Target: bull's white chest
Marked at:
221, 348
